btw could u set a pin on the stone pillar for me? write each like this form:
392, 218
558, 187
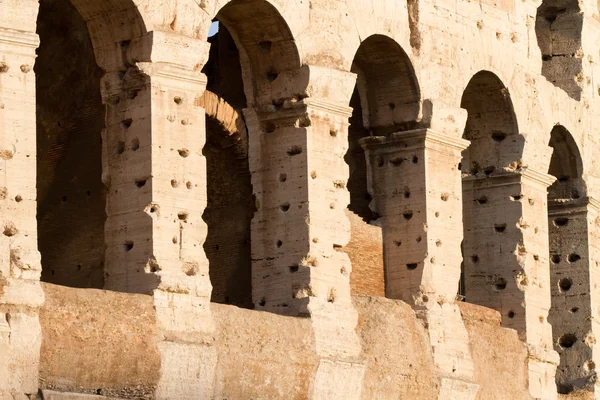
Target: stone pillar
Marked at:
155, 174
414, 180
506, 261
415, 184
296, 158
20, 267
575, 297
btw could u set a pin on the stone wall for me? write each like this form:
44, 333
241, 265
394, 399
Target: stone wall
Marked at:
261, 354
358, 147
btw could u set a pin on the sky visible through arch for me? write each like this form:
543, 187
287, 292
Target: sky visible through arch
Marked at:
214, 28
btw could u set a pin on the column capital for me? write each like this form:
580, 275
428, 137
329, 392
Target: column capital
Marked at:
19, 42
413, 139
510, 177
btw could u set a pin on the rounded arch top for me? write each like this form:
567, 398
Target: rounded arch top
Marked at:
492, 127
387, 83
271, 65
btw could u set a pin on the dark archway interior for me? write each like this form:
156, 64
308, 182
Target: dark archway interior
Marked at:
70, 119
386, 99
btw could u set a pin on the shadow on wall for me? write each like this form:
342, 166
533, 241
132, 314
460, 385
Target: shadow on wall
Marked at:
70, 118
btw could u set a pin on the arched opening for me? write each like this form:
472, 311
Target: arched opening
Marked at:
252, 53
492, 198
572, 312
558, 28
385, 100
70, 118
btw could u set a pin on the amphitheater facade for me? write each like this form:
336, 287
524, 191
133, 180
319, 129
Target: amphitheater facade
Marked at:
327, 199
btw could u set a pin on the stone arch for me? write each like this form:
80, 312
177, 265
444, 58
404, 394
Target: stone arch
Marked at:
386, 99
269, 55
254, 66
492, 207
570, 216
491, 126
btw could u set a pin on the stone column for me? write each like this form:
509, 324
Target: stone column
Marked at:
20, 291
155, 174
296, 158
573, 270
506, 260
414, 180
415, 184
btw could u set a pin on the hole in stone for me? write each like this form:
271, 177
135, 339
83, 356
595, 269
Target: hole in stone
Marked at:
396, 161
262, 302
500, 228
511, 314
445, 196
120, 147
567, 341
498, 136
574, 257
411, 266
536, 257
18, 198
489, 170
407, 215
561, 221
282, 177
516, 197
438, 243
272, 75
126, 123
188, 185
574, 310
269, 127
313, 174
284, 207
64, 199
380, 161
294, 268
294, 151
135, 144
128, 245
178, 100
415, 160
555, 258
78, 267
183, 152
174, 183
10, 229
392, 106
333, 133
407, 194
397, 243
419, 238
140, 183
279, 243
482, 200
565, 284
437, 214
183, 216
475, 259
265, 46
500, 284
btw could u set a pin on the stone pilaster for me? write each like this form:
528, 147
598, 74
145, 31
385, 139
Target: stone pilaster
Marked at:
574, 296
414, 180
296, 158
20, 267
506, 261
155, 175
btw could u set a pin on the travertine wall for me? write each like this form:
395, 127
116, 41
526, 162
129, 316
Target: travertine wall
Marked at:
453, 106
